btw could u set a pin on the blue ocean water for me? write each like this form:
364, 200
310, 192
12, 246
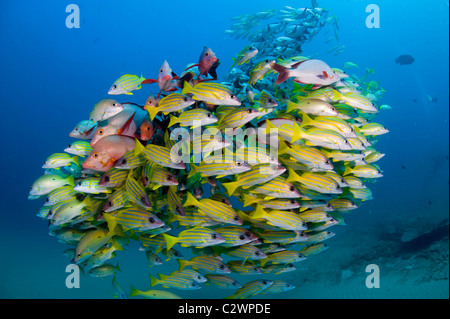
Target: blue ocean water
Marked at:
53, 75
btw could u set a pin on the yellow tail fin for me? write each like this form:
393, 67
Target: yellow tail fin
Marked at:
258, 213
231, 187
293, 176
138, 147
152, 111
187, 88
190, 200
170, 241
173, 120
154, 281
249, 200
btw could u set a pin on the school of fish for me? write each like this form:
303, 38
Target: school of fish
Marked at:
245, 176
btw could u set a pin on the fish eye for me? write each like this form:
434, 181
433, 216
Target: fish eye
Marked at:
265, 282
185, 99
124, 161
292, 188
114, 104
257, 253
142, 198
239, 164
222, 267
236, 218
69, 146
79, 184
214, 236
293, 202
31, 187
79, 254
255, 268
291, 266
232, 96
109, 203
234, 283
151, 220
328, 233
161, 71
95, 155
302, 234
146, 179
249, 111
114, 86
169, 178
209, 115
106, 178
100, 132
248, 234
327, 162
206, 54
241, 237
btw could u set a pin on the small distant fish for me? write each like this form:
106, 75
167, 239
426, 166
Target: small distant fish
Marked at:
405, 59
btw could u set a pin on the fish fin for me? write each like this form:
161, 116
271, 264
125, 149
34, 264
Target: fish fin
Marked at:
134, 292
190, 200
152, 111
291, 106
126, 125
263, 262
231, 187
183, 263
163, 277
116, 245
138, 147
297, 132
170, 241
258, 213
149, 81
187, 88
283, 72
249, 200
112, 222
347, 171
75, 160
173, 120
283, 148
70, 181
193, 171
306, 120
117, 267
192, 66
154, 281
293, 176
269, 125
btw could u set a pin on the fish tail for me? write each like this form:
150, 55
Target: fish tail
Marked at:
190, 201
297, 134
194, 170
283, 72
258, 213
291, 106
152, 111
138, 147
112, 222
154, 281
263, 262
282, 147
269, 126
170, 241
173, 120
148, 81
134, 292
187, 88
116, 245
306, 120
117, 267
293, 176
347, 171
75, 160
87, 202
70, 181
231, 187
249, 200
182, 263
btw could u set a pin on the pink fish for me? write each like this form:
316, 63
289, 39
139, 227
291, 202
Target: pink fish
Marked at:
107, 151
313, 71
207, 64
164, 79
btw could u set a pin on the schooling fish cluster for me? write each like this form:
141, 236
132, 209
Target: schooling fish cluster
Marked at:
250, 173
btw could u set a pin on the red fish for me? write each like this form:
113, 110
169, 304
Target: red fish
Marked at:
207, 64
164, 79
107, 151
